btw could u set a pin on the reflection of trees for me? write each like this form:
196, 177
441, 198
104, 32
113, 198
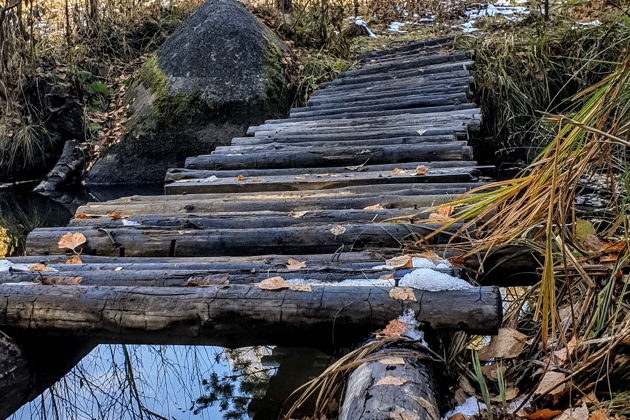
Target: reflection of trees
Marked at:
116, 382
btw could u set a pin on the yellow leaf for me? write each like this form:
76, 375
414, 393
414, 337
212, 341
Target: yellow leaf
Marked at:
273, 283
293, 264
74, 260
403, 293
71, 241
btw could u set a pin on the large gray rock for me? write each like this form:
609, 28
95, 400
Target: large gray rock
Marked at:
219, 73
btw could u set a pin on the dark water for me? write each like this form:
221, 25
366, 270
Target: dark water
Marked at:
155, 382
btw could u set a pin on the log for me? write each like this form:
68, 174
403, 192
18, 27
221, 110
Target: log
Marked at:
399, 383
236, 315
405, 63
457, 129
242, 220
408, 47
70, 164
175, 174
402, 92
346, 156
198, 243
385, 105
450, 177
26, 371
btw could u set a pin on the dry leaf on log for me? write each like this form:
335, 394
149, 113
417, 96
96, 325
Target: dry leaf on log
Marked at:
398, 171
374, 207
71, 241
210, 280
399, 262
337, 230
61, 281
507, 344
87, 216
297, 214
293, 264
394, 328
273, 283
240, 177
74, 260
391, 380
421, 170
386, 277
117, 216
403, 293
39, 267
301, 288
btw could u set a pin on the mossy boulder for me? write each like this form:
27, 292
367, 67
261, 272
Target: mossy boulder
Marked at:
217, 74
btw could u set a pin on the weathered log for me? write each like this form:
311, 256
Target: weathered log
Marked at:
346, 156
26, 371
236, 315
258, 144
366, 95
175, 174
405, 63
400, 383
196, 243
457, 129
413, 47
385, 104
243, 220
70, 163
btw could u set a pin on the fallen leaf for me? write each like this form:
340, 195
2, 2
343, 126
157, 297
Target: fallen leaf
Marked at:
301, 288
293, 264
609, 258
374, 207
601, 414
391, 380
61, 281
438, 218
510, 394
544, 414
576, 413
394, 328
457, 416
421, 170
74, 260
337, 230
398, 171
273, 283
240, 177
40, 267
394, 360
428, 255
591, 399
210, 280
86, 216
592, 243
552, 384
615, 247
445, 211
118, 269
386, 277
71, 241
401, 261
117, 216
508, 343
490, 371
297, 214
403, 293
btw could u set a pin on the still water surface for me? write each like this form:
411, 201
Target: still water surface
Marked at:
155, 382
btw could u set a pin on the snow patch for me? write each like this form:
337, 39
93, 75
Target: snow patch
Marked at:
126, 222
412, 330
361, 22
432, 280
6, 265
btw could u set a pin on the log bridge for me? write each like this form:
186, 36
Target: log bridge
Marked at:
385, 139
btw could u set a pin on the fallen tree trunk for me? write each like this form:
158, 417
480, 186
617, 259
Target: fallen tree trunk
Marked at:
236, 315
400, 383
70, 163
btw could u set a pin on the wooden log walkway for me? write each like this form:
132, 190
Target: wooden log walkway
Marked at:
322, 187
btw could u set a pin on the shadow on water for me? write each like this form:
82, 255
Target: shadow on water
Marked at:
154, 382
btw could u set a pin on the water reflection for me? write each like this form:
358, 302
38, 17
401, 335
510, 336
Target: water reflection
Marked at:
177, 382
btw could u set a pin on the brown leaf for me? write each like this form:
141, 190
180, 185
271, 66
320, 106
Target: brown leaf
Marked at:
86, 216
117, 216
544, 414
301, 288
457, 416
374, 207
394, 328
510, 394
575, 413
591, 399
398, 171
421, 170
337, 230
273, 283
386, 277
601, 414
391, 380
293, 264
71, 241
609, 258
438, 218
297, 214
507, 344
403, 293
592, 243
400, 262
428, 255
552, 384
61, 281
74, 260
210, 280
240, 177
445, 211
617, 247
40, 267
